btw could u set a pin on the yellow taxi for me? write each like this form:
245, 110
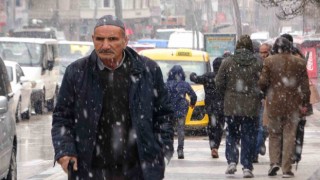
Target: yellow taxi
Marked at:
191, 61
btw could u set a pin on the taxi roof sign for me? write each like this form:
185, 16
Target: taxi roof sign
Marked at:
184, 52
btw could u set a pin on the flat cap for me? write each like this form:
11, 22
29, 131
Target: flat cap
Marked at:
109, 20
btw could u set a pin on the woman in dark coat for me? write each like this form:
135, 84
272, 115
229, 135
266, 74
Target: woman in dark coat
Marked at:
178, 89
213, 104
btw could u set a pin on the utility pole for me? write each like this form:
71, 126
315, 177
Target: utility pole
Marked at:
118, 8
209, 14
11, 14
195, 28
237, 16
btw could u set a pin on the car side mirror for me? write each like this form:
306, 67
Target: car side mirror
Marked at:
3, 104
23, 79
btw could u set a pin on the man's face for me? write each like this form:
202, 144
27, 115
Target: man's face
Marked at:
264, 51
109, 42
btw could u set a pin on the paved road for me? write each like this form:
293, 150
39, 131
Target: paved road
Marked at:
35, 155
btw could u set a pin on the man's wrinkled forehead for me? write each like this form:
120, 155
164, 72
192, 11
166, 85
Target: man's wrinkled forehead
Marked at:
109, 20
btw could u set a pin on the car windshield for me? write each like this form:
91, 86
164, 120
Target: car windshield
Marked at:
26, 54
10, 73
71, 52
74, 50
188, 66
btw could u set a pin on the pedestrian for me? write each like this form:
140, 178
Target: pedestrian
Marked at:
262, 131
237, 79
284, 80
213, 106
113, 115
178, 89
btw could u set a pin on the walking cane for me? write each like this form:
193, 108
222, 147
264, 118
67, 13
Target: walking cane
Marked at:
70, 169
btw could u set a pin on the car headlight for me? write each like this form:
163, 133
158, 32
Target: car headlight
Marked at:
200, 95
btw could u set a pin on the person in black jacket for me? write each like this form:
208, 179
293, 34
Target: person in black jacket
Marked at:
213, 104
113, 115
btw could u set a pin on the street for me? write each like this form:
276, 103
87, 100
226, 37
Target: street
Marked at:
35, 155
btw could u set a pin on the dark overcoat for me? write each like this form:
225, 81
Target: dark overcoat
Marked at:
79, 107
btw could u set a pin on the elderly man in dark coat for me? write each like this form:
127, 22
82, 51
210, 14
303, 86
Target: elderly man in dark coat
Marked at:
113, 115
284, 79
237, 79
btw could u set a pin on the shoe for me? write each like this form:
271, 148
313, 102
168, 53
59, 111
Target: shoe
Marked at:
288, 175
180, 154
214, 153
273, 170
262, 150
232, 168
247, 173
255, 159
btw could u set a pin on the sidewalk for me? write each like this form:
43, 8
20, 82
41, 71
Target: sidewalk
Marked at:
199, 165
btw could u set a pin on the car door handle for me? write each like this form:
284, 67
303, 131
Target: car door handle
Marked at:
10, 95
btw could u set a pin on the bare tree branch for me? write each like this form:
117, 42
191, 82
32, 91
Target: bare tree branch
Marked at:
288, 9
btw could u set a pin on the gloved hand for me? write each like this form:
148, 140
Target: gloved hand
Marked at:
193, 77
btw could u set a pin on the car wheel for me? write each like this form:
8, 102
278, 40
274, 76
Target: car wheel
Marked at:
27, 114
12, 175
39, 104
18, 112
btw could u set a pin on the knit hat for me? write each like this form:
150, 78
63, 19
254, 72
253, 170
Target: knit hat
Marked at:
287, 36
109, 20
244, 42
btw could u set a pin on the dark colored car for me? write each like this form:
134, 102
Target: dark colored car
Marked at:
8, 136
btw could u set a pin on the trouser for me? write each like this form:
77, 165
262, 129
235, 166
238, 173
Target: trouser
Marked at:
262, 132
180, 131
282, 135
240, 127
111, 173
215, 130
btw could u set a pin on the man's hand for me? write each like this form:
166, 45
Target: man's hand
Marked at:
64, 162
303, 110
193, 77
192, 106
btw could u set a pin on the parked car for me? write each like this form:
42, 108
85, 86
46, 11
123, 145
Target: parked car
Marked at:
38, 59
22, 88
8, 136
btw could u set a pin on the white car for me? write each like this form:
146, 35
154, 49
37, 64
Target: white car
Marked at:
22, 88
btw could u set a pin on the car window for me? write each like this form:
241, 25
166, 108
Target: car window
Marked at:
19, 73
10, 73
198, 67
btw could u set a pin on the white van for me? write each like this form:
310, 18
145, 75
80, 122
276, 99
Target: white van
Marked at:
38, 59
165, 33
185, 39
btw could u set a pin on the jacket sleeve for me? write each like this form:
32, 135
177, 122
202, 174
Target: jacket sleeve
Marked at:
192, 94
163, 115
305, 89
63, 119
221, 77
197, 79
264, 80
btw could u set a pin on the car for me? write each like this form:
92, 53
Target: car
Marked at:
186, 39
21, 88
70, 51
191, 61
38, 59
8, 136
